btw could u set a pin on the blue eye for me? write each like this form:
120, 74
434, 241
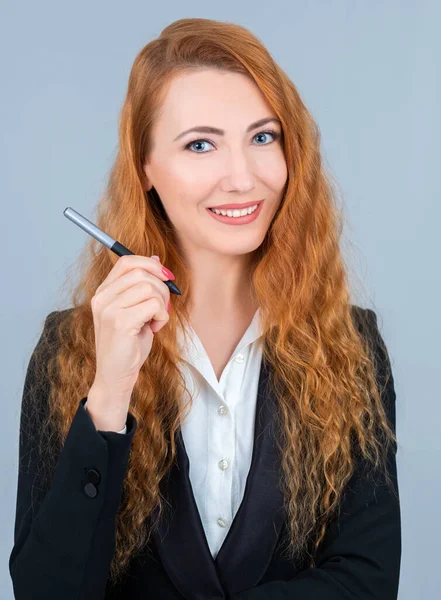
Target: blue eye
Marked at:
275, 135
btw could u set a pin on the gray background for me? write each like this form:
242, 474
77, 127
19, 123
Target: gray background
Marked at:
370, 74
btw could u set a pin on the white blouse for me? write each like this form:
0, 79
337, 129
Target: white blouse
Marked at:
218, 431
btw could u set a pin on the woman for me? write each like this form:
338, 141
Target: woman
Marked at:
277, 478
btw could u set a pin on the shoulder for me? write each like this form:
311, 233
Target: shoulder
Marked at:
48, 339
366, 322
365, 319
53, 320
54, 317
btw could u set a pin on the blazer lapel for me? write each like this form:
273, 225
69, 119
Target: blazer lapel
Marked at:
247, 549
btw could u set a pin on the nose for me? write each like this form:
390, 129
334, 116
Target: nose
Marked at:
239, 175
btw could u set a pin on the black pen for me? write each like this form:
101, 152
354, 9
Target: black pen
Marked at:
107, 240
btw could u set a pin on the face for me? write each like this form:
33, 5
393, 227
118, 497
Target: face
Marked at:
197, 170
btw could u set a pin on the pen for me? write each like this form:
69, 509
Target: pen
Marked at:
107, 240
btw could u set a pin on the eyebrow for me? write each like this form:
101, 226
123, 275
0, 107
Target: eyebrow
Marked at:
215, 130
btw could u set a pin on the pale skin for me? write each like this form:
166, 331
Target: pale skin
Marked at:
238, 166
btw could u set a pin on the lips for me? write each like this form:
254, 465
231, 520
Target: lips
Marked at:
237, 221
236, 206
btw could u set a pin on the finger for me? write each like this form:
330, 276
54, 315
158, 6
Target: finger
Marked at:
132, 288
131, 261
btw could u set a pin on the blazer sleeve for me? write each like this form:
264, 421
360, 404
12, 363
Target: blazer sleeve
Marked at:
64, 534
359, 558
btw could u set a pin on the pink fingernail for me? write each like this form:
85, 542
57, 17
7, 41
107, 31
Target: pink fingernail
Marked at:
168, 273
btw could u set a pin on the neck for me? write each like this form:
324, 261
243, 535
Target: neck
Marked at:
222, 288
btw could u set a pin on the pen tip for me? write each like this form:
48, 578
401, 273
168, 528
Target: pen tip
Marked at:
173, 288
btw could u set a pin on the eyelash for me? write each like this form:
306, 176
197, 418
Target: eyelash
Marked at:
274, 133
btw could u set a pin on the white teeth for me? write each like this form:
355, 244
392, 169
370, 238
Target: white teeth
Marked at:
235, 213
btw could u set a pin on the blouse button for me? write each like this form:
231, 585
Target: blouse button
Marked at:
223, 464
239, 358
222, 410
221, 523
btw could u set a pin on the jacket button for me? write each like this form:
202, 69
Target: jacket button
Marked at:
93, 476
90, 490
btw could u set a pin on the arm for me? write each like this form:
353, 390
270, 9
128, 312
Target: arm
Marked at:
360, 555
64, 531
124, 430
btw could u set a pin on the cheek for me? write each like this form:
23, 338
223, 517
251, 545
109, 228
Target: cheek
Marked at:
191, 177
274, 171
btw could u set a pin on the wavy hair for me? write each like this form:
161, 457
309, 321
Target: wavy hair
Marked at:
325, 371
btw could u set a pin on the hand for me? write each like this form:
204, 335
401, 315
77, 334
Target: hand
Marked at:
128, 308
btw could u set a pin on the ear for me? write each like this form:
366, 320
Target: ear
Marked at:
147, 184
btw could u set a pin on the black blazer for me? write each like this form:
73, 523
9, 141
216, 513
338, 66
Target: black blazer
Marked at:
64, 532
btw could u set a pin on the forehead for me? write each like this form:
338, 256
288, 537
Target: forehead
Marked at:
211, 97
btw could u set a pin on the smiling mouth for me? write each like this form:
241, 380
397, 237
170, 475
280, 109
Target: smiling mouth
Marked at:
237, 207
236, 212
234, 217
